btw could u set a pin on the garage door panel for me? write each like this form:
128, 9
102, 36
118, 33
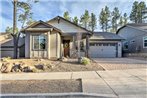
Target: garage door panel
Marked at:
103, 51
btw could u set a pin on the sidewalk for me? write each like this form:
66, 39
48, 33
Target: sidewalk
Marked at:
129, 83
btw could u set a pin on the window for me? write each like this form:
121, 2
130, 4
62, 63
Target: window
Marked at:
39, 42
126, 45
145, 42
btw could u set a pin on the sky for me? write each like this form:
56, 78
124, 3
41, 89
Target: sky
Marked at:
47, 9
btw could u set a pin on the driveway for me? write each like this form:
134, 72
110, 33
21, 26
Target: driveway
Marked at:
120, 63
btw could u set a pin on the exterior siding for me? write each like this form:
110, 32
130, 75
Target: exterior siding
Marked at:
65, 26
134, 38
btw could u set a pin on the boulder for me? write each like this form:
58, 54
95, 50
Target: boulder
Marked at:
17, 67
50, 66
40, 66
6, 67
64, 59
27, 69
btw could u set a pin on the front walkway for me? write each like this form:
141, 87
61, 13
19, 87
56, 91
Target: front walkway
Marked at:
131, 83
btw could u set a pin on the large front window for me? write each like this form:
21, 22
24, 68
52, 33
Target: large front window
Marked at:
39, 42
145, 42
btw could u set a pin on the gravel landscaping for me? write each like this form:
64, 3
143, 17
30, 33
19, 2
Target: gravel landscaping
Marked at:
45, 65
41, 86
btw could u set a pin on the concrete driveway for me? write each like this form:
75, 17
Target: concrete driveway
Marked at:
120, 63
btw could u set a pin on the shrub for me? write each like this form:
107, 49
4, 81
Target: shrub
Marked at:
5, 59
85, 61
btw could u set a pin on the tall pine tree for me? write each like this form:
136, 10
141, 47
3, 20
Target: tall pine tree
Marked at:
85, 19
104, 19
93, 22
115, 19
139, 12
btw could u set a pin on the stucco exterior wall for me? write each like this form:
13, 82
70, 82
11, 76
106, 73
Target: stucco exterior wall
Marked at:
134, 38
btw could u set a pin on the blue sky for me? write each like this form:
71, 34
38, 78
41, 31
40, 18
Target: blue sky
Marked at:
47, 9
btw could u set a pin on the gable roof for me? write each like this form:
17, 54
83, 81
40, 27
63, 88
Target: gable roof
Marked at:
105, 36
138, 26
30, 27
59, 17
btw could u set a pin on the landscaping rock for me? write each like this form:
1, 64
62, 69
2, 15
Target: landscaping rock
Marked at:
1, 65
40, 66
17, 67
6, 67
27, 69
64, 59
50, 66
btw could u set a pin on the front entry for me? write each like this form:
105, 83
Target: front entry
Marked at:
66, 46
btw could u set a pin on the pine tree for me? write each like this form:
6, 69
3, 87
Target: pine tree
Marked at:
139, 12
121, 22
142, 12
115, 18
85, 19
66, 16
133, 15
104, 19
93, 22
101, 19
75, 20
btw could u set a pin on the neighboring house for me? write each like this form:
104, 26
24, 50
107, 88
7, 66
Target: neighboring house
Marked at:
6, 45
105, 44
135, 36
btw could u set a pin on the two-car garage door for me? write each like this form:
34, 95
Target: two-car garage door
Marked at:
103, 50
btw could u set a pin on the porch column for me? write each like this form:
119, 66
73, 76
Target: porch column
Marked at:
73, 38
87, 45
48, 44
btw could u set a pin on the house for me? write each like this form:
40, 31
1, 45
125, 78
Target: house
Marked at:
135, 35
59, 37
105, 44
6, 45
54, 39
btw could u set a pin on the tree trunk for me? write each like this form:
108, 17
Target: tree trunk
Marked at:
15, 42
14, 28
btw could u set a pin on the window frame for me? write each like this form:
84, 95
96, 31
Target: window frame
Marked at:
33, 45
144, 42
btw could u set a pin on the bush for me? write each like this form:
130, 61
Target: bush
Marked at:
85, 61
5, 59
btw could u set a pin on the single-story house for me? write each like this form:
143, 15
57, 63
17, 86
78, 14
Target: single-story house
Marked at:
105, 44
54, 39
59, 37
7, 46
135, 35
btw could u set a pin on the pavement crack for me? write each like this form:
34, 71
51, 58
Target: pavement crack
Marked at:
107, 83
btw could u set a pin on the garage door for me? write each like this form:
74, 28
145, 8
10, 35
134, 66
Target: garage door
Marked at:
102, 50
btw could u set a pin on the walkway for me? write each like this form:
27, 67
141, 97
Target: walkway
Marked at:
131, 83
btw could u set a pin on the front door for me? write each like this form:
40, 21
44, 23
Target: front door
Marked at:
66, 48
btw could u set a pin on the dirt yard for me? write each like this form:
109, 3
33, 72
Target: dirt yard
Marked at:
58, 66
41, 86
